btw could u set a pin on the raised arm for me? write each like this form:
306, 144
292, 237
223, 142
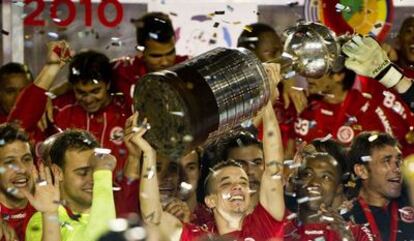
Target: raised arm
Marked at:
150, 203
103, 205
271, 190
31, 103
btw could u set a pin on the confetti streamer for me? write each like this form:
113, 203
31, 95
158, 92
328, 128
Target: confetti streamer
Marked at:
102, 151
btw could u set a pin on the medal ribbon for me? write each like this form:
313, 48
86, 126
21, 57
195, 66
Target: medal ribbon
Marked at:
373, 225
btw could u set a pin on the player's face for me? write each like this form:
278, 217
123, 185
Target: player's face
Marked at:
319, 181
16, 163
12, 85
231, 190
320, 86
269, 46
92, 96
251, 159
384, 173
406, 38
168, 176
159, 56
77, 183
191, 167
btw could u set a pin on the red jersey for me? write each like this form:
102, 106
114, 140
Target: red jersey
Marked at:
106, 124
126, 74
127, 198
202, 215
3, 117
319, 231
259, 225
381, 110
17, 218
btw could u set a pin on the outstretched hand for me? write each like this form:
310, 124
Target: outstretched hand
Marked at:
46, 197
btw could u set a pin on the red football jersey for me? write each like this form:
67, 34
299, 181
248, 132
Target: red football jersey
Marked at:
17, 218
259, 225
380, 110
106, 124
319, 231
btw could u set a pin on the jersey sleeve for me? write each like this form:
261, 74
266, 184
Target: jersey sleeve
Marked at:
29, 107
102, 210
34, 228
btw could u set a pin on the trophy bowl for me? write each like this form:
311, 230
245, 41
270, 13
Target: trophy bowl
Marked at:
312, 49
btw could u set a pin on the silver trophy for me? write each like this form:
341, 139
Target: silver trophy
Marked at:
202, 99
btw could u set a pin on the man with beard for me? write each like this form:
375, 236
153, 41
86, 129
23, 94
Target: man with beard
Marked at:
377, 161
16, 163
83, 177
317, 185
227, 194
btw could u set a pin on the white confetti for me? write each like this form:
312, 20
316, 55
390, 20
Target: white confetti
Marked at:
226, 196
303, 199
327, 218
372, 138
247, 123
50, 95
366, 158
186, 186
177, 113
292, 216
75, 71
153, 35
118, 225
326, 138
136, 233
188, 138
102, 150
342, 8
53, 35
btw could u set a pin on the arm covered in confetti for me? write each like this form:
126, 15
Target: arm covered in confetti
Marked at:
150, 203
271, 190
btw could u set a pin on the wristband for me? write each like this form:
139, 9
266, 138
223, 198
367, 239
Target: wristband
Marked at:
390, 76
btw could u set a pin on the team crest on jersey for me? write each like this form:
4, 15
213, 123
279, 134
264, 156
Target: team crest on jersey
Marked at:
407, 214
345, 134
117, 135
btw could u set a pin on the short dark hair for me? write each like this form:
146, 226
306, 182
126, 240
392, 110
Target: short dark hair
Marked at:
366, 142
335, 149
71, 139
242, 139
90, 66
215, 168
10, 132
405, 23
326, 157
249, 36
156, 26
15, 68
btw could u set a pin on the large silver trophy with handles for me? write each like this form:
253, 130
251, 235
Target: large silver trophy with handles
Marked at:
202, 99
